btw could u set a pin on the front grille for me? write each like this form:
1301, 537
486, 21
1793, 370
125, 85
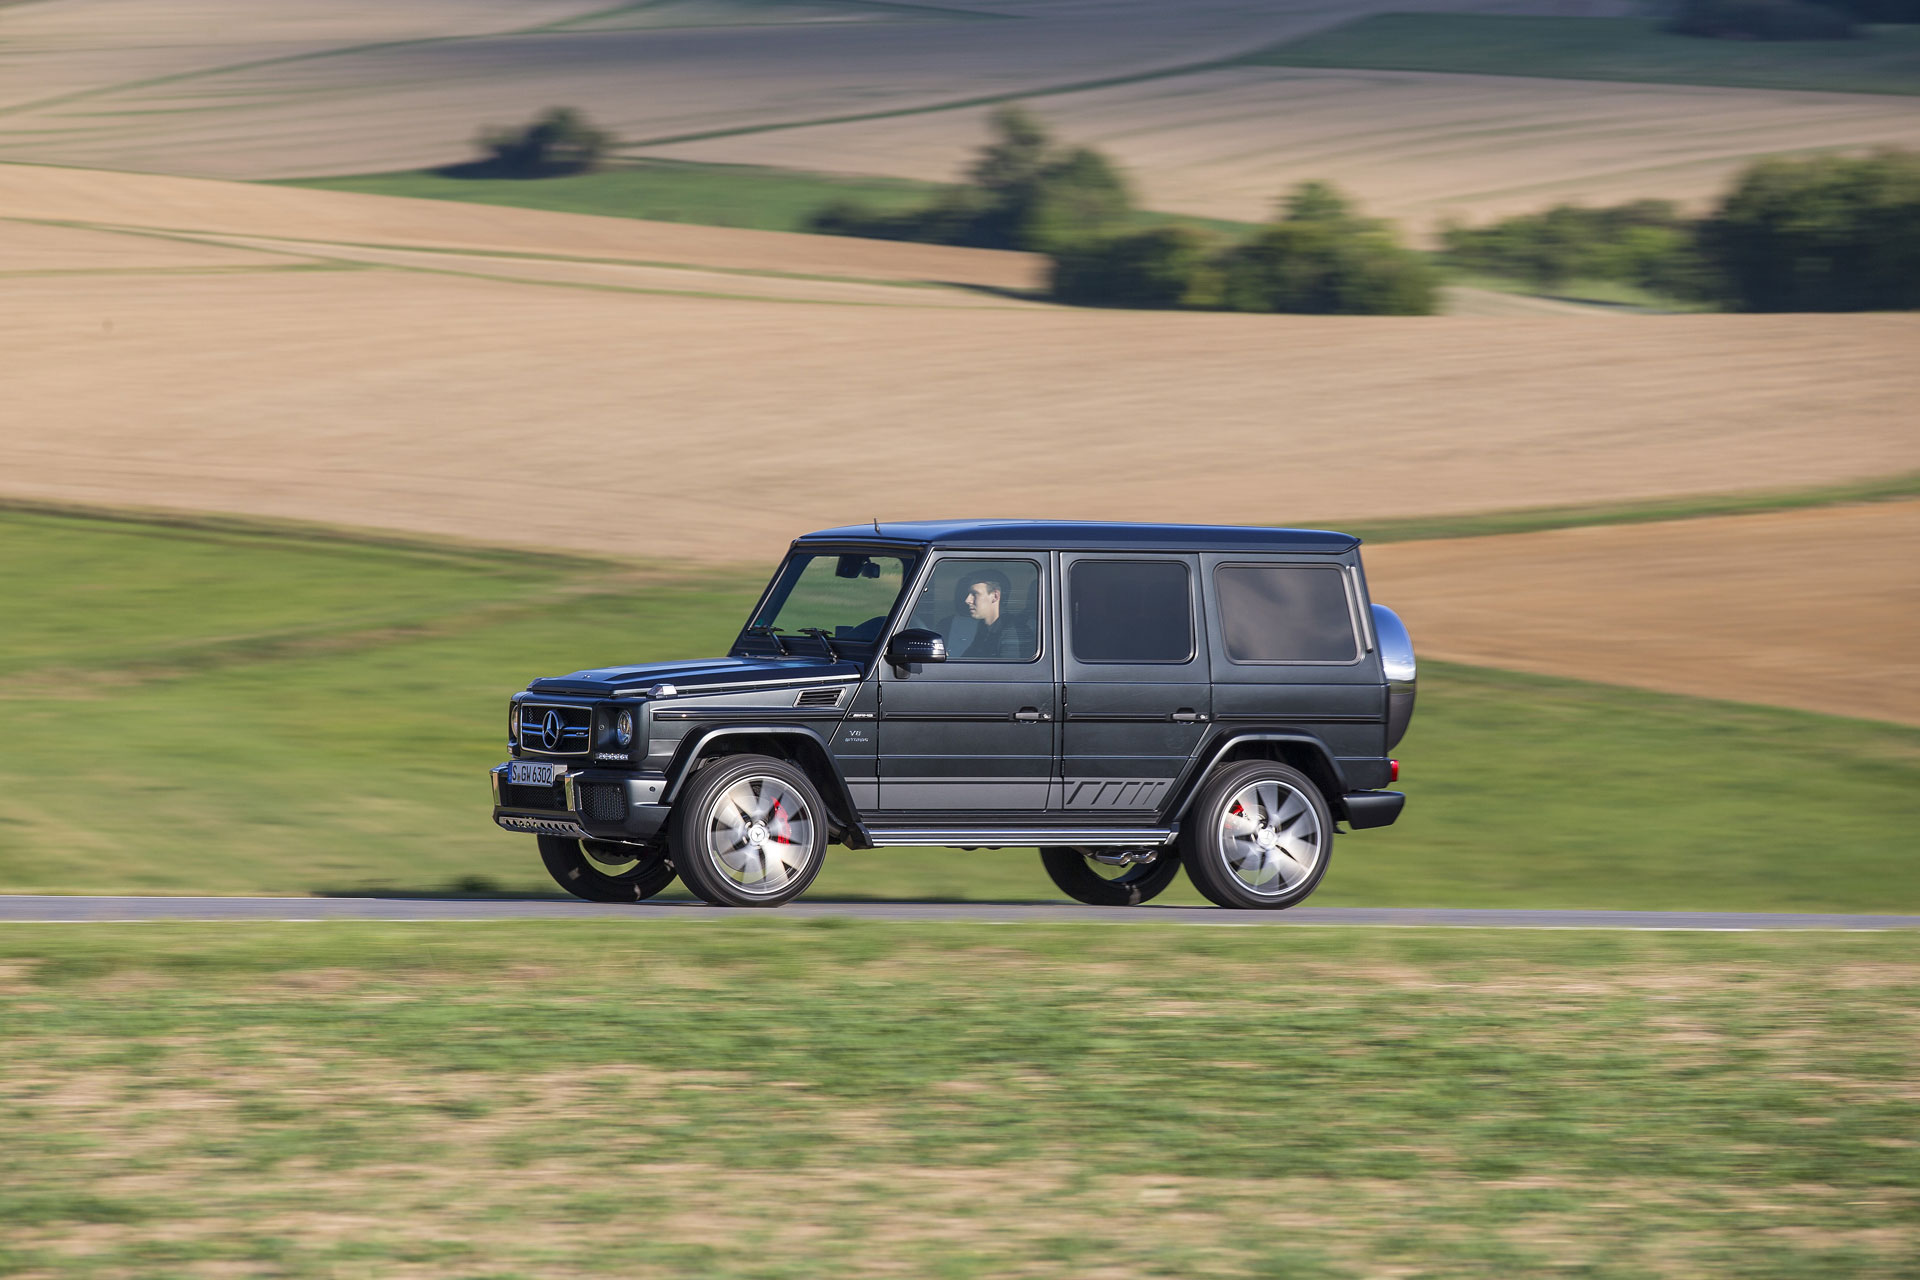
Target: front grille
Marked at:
556, 730
514, 796
604, 803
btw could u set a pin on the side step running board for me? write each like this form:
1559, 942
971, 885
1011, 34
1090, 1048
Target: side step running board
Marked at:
1018, 837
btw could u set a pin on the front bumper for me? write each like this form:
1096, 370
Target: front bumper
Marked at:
582, 804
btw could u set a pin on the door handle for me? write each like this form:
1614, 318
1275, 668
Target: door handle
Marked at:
1031, 713
1187, 715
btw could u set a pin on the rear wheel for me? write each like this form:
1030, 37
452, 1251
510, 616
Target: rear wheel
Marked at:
1259, 837
1102, 879
601, 871
749, 831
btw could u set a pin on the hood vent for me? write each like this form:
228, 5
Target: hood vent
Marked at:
819, 698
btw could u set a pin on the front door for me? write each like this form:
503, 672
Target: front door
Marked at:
976, 732
1136, 697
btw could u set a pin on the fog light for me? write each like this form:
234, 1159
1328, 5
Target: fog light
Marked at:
623, 728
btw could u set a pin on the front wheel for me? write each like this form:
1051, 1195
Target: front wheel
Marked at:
1259, 837
749, 831
1088, 877
602, 871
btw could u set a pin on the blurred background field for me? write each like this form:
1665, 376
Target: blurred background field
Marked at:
252, 712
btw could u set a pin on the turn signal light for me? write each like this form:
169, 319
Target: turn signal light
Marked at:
1395, 775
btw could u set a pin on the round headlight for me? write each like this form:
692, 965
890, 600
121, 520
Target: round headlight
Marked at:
513, 725
623, 728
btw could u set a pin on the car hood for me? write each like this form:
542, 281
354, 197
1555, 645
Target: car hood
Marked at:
707, 674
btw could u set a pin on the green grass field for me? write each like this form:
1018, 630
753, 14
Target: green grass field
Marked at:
219, 711
716, 195
719, 195
1883, 60
765, 1099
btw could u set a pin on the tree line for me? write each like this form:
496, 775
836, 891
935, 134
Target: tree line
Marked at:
1027, 191
1831, 233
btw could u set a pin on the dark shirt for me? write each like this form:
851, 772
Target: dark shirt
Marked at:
1006, 638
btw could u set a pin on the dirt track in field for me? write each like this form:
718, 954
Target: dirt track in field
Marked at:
1813, 609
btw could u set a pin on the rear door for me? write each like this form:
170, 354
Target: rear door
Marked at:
1291, 650
1135, 688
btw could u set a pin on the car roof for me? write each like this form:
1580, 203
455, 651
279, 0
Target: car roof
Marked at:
1088, 535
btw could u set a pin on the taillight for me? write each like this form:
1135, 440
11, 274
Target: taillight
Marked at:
1395, 775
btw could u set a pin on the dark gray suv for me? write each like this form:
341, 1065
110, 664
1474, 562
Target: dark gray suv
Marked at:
1127, 698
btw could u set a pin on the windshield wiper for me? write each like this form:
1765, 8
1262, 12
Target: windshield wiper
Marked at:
820, 634
772, 633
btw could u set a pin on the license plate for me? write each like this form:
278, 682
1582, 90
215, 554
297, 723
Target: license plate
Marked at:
531, 773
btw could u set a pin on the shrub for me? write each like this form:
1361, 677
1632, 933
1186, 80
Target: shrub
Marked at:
558, 141
1025, 193
1647, 243
1322, 258
1161, 267
1760, 20
1826, 234
1319, 256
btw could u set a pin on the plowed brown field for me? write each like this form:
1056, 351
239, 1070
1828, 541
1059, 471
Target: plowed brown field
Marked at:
1813, 609
435, 391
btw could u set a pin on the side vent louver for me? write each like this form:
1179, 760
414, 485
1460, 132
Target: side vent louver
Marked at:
818, 698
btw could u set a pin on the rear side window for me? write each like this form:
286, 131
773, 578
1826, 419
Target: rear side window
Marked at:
1284, 613
1130, 611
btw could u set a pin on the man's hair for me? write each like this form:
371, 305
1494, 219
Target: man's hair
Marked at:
993, 578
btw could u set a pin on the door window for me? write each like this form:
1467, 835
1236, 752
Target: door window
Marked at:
1284, 613
1131, 611
987, 610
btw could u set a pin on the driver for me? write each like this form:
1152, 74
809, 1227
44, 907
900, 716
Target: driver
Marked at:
995, 633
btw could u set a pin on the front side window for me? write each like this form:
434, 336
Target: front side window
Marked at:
987, 610
1130, 611
1285, 613
831, 601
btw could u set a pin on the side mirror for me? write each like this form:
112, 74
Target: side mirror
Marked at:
916, 644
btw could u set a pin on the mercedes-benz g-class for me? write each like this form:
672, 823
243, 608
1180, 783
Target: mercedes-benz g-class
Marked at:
1127, 698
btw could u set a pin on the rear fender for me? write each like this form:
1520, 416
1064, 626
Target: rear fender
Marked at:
1302, 751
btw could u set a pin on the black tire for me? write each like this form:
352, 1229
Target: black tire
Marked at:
600, 871
1254, 869
1096, 883
740, 818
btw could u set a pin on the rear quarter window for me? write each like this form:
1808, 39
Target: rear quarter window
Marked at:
1285, 613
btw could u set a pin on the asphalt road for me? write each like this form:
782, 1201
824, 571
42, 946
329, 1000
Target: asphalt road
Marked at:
34, 909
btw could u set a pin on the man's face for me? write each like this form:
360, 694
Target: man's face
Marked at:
983, 602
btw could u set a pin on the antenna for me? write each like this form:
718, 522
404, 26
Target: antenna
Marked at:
876, 526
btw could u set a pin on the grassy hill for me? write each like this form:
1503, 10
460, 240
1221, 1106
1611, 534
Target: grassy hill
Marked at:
1883, 60
198, 710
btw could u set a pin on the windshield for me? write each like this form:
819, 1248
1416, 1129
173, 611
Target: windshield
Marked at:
832, 604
